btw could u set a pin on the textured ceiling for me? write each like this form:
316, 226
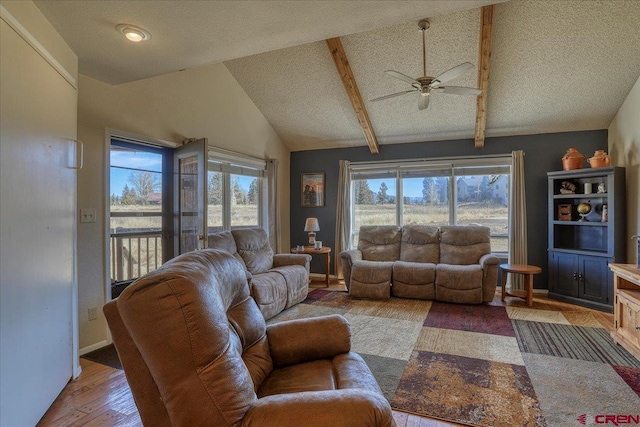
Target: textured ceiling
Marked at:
555, 66
303, 98
560, 65
187, 33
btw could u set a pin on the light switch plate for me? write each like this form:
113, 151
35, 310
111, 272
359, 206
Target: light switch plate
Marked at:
87, 215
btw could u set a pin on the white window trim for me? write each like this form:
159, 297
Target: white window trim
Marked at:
229, 162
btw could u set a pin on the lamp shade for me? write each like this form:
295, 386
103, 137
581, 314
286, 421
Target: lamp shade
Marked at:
312, 225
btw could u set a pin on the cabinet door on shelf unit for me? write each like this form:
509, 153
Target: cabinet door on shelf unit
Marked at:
564, 273
594, 279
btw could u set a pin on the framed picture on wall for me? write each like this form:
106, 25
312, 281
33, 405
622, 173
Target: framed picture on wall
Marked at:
312, 188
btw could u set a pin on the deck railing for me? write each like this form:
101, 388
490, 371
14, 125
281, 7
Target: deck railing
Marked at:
134, 254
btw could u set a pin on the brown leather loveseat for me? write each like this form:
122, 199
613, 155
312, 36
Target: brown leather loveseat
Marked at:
196, 352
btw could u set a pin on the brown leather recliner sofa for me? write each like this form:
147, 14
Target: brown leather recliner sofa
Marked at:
447, 263
276, 281
196, 352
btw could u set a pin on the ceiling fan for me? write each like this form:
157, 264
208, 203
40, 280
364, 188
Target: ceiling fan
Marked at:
426, 84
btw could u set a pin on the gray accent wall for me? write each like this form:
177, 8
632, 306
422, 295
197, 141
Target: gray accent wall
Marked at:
543, 153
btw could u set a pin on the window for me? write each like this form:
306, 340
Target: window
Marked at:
458, 191
234, 192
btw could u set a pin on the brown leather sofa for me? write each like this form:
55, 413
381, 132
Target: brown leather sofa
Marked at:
276, 281
196, 352
447, 263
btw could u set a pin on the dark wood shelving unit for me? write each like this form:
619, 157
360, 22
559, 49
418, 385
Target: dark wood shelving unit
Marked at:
580, 250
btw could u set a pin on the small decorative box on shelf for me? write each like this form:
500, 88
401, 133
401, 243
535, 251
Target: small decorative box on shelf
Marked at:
564, 212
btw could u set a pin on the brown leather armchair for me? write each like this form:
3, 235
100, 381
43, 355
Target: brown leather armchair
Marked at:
196, 352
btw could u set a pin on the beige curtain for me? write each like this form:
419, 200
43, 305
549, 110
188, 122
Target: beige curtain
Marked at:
343, 215
273, 213
517, 217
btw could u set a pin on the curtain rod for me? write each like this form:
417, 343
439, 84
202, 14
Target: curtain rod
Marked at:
432, 160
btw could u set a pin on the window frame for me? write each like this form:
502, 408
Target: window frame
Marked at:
229, 163
453, 168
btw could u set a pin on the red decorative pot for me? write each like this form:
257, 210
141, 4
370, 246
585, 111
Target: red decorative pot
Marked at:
572, 160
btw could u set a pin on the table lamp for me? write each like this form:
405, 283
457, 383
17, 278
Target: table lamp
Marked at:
311, 226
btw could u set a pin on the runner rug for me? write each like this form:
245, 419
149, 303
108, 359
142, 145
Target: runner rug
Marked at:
487, 365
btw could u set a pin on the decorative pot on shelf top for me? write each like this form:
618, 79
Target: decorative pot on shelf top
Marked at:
572, 160
600, 159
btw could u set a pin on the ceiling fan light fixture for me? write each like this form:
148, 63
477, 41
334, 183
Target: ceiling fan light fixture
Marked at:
425, 84
133, 33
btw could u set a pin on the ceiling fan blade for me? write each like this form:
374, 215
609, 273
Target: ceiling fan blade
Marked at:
451, 74
458, 90
402, 77
423, 102
393, 95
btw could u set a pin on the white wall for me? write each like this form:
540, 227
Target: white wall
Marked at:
37, 214
91, 241
201, 102
624, 148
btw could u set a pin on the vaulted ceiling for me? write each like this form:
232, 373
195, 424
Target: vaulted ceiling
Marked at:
555, 66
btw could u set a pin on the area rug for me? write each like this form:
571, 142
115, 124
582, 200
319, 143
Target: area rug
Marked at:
486, 365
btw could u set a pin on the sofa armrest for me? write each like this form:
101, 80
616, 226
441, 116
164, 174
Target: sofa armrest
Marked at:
489, 264
336, 408
303, 340
489, 259
292, 259
348, 258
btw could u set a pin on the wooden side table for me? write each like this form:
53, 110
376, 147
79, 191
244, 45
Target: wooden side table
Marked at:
325, 250
527, 271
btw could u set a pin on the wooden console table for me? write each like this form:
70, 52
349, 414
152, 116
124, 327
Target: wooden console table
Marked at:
626, 308
325, 250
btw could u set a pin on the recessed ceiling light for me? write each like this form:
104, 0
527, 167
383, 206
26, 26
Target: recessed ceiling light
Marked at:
133, 33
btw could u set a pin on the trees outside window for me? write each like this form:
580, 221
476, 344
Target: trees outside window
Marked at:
409, 195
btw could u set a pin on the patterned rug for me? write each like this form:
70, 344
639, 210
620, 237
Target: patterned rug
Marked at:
487, 365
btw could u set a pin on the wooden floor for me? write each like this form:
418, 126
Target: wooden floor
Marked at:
100, 396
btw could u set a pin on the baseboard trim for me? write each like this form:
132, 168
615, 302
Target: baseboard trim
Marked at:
92, 347
320, 275
535, 291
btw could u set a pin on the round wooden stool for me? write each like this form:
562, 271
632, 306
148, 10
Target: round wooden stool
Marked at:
528, 271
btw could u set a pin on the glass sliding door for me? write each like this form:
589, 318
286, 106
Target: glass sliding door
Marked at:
191, 196
139, 206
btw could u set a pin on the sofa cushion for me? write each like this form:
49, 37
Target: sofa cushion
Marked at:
414, 280
371, 279
420, 243
270, 292
254, 248
224, 240
459, 283
380, 242
297, 280
463, 245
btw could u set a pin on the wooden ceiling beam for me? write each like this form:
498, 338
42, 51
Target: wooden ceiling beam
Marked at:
486, 30
350, 85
